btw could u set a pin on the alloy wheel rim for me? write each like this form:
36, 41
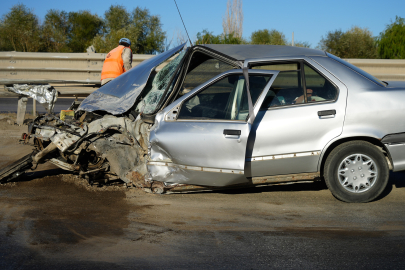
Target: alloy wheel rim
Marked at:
357, 173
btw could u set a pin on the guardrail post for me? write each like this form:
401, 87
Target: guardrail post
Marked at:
34, 107
22, 106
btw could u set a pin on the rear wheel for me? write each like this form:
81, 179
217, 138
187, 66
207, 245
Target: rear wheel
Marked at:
356, 171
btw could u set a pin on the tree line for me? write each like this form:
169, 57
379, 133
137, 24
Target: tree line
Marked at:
21, 30
259, 37
354, 43
359, 42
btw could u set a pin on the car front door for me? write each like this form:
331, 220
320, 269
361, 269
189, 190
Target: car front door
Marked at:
201, 138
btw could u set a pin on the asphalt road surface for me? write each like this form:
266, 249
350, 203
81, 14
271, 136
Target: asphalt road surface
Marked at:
10, 105
54, 221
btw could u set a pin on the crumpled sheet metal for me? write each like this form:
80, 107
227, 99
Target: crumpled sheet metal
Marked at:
44, 94
124, 157
109, 103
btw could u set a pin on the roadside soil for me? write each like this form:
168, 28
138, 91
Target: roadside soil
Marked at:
52, 219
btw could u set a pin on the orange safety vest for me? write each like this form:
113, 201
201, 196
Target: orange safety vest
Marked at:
113, 64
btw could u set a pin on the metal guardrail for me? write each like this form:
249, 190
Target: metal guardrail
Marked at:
77, 68
383, 69
85, 68
79, 74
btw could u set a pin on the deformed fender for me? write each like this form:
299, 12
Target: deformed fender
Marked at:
126, 151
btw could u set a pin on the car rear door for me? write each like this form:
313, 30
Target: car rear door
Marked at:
291, 136
201, 138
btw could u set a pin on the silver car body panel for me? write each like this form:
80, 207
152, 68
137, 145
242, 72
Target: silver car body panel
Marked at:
294, 132
267, 166
196, 151
119, 95
397, 156
372, 110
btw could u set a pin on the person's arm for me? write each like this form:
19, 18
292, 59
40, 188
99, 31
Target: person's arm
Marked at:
127, 58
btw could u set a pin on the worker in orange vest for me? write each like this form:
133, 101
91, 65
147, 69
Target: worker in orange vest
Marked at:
117, 61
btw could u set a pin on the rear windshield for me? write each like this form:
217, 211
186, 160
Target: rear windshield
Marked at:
358, 70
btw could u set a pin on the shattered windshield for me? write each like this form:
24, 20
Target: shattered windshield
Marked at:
159, 84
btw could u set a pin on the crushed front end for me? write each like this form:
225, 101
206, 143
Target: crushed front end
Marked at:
98, 147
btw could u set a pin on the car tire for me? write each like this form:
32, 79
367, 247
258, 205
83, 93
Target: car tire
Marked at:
356, 172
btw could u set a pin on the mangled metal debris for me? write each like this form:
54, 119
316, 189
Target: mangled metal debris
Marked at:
44, 94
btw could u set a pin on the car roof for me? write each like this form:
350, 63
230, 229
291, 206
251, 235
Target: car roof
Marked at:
243, 52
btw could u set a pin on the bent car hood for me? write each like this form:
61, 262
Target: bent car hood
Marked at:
119, 95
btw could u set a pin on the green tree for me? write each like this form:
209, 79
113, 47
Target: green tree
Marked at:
333, 42
116, 18
206, 37
144, 31
55, 31
354, 43
268, 37
83, 27
5, 44
151, 37
106, 42
391, 42
20, 30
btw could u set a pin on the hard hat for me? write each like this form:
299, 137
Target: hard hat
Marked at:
125, 40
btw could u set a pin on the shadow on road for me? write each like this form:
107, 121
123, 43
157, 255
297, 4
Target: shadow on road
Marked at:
31, 175
283, 187
396, 179
299, 186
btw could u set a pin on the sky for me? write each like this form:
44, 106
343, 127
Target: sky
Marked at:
309, 20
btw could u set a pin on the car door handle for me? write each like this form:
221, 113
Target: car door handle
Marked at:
326, 113
232, 132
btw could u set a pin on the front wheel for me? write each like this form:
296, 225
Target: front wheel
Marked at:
356, 171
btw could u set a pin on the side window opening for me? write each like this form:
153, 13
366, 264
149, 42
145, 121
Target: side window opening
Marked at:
288, 87
202, 68
225, 99
318, 87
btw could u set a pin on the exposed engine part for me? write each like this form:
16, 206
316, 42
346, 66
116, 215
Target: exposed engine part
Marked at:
38, 157
108, 147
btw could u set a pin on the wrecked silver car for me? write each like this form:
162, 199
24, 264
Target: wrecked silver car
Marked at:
230, 116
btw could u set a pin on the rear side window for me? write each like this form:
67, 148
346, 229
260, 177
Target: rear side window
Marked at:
318, 87
286, 88
297, 83
225, 99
